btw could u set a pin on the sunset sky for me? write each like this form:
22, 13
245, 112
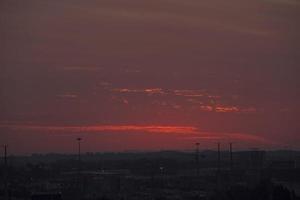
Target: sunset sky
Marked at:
149, 74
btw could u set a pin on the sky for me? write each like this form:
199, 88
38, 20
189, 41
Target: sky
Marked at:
142, 75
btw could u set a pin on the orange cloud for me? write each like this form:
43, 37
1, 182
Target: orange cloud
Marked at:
205, 99
225, 109
101, 128
187, 132
148, 91
231, 137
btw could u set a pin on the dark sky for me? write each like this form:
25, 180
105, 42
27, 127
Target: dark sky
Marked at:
149, 75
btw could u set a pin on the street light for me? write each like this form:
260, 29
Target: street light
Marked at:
230, 150
197, 158
5, 172
79, 166
79, 154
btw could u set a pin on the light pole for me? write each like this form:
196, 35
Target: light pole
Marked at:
219, 157
79, 184
197, 158
79, 154
231, 161
219, 166
5, 155
5, 172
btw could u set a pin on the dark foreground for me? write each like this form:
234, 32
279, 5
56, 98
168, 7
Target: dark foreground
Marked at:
248, 175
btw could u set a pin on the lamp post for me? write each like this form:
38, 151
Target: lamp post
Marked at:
219, 166
5, 172
79, 154
5, 154
219, 157
197, 158
79, 184
231, 161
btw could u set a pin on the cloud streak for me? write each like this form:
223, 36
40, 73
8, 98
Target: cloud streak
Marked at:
165, 68
186, 132
111, 128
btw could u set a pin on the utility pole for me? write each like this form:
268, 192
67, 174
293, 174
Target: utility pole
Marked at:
197, 158
231, 161
5, 173
219, 157
79, 184
79, 155
219, 166
5, 155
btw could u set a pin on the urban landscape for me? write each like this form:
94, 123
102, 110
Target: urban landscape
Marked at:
195, 175
149, 100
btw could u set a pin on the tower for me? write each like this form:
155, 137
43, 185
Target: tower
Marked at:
219, 157
197, 158
231, 159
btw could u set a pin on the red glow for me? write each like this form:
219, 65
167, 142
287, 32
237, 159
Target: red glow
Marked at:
101, 128
187, 132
